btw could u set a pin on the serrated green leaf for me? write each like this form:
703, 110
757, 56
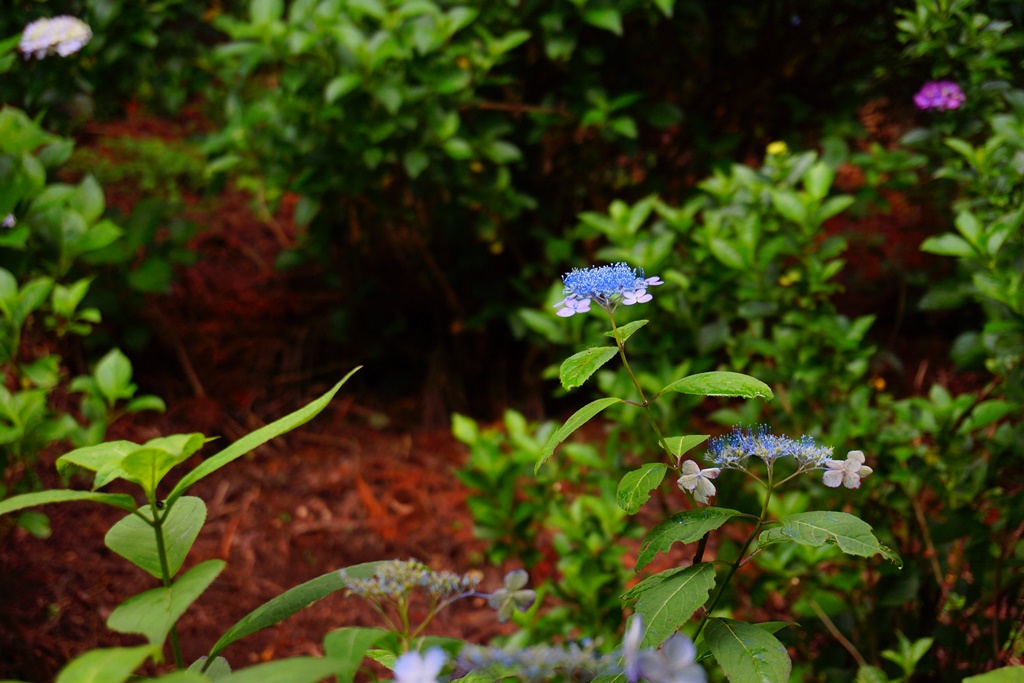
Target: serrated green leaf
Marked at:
290, 602
666, 600
624, 332
135, 541
685, 527
635, 488
578, 419
577, 368
746, 652
154, 612
852, 534
27, 500
721, 384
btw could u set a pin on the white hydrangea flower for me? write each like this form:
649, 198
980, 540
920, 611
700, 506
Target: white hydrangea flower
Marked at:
847, 472
9, 221
63, 35
413, 667
698, 481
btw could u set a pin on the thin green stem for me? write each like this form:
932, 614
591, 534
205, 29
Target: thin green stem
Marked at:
165, 571
621, 344
720, 589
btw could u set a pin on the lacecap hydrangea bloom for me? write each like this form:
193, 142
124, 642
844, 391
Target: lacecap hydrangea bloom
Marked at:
63, 35
939, 95
608, 286
731, 450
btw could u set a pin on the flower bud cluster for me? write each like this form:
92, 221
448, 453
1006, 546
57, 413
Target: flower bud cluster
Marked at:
396, 579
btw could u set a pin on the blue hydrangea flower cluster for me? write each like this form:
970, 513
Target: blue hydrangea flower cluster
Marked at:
731, 450
396, 579
63, 35
607, 285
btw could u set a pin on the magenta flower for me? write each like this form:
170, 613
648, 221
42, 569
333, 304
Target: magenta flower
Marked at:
939, 95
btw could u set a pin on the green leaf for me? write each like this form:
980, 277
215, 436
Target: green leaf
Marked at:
667, 600
685, 527
721, 384
1007, 674
729, 255
677, 445
607, 18
147, 466
348, 646
147, 402
265, 11
257, 438
852, 534
789, 204
635, 488
746, 652
871, 674
153, 613
415, 162
27, 500
214, 672
290, 602
104, 459
113, 376
135, 541
182, 677
949, 244
621, 334
577, 368
818, 179
339, 86
106, 665
666, 6
292, 670
578, 419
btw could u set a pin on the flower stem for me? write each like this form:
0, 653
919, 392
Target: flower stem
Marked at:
720, 589
165, 571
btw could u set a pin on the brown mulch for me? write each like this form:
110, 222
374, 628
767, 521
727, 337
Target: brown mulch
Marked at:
351, 486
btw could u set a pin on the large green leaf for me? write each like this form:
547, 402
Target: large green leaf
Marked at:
106, 665
181, 677
635, 488
290, 602
348, 646
721, 384
685, 527
667, 600
578, 419
154, 612
257, 438
27, 500
851, 534
134, 540
293, 670
577, 368
747, 652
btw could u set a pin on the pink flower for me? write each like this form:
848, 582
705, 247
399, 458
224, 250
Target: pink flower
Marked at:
939, 95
